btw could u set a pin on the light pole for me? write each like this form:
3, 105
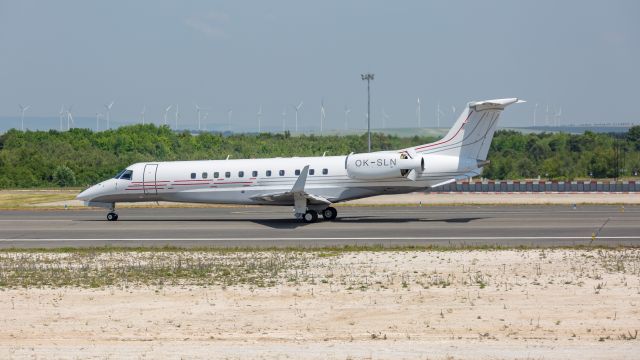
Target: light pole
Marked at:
368, 77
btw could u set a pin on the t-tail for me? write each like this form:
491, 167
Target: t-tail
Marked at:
470, 137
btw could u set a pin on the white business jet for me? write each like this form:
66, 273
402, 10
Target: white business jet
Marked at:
310, 184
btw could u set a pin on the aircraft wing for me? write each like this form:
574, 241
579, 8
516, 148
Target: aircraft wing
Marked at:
289, 197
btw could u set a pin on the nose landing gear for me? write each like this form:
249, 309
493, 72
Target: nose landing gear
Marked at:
112, 216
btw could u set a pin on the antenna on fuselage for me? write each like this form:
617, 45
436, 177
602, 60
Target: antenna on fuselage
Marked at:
228, 156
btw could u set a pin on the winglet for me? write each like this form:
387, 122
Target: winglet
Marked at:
302, 179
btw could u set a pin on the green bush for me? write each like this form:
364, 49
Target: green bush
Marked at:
63, 176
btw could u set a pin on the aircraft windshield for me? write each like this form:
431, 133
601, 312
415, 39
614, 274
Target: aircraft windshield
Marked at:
124, 175
119, 174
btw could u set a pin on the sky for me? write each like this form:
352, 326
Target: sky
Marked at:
578, 56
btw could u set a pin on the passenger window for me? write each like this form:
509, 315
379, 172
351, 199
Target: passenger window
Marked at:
268, 173
311, 171
204, 175
227, 174
193, 175
240, 173
216, 174
281, 172
254, 173
297, 171
325, 171
126, 175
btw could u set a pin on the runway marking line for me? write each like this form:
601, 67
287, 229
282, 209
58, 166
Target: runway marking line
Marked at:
338, 238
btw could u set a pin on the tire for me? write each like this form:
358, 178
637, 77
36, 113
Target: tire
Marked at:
330, 213
112, 216
310, 217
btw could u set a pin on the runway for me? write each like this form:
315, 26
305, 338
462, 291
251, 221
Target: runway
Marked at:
274, 227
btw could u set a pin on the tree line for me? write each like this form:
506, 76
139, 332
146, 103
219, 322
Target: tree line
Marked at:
80, 157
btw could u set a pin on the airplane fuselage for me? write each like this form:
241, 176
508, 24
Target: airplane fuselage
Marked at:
242, 181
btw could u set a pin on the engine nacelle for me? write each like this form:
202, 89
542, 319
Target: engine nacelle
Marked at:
382, 165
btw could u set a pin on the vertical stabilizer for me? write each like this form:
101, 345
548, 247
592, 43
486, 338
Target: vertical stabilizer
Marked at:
471, 135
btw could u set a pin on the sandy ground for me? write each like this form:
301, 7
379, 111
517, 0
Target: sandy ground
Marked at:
525, 304
429, 199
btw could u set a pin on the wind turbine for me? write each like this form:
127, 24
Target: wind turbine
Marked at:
166, 111
297, 109
199, 112
385, 117
535, 110
177, 115
259, 116
61, 116
323, 115
418, 114
229, 113
438, 113
346, 117
108, 107
546, 116
284, 119
23, 109
98, 116
204, 117
557, 116
144, 110
69, 117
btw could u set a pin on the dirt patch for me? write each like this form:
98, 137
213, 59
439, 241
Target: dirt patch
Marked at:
538, 304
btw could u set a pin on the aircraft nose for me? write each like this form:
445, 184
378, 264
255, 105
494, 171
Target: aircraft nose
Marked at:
88, 194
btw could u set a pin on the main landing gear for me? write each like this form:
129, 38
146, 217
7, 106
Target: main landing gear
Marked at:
311, 215
330, 213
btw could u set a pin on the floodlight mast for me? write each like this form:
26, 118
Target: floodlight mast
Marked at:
368, 77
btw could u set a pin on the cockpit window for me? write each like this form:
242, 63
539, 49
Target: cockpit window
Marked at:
119, 174
126, 175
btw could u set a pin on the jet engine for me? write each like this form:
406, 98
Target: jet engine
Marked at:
383, 165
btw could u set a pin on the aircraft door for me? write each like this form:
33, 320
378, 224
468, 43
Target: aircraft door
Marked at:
149, 183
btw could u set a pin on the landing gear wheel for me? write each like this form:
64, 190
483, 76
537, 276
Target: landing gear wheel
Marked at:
330, 213
112, 216
310, 217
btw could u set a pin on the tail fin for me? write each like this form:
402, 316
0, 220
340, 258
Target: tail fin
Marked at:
471, 135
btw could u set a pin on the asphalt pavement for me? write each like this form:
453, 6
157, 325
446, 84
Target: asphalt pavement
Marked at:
275, 227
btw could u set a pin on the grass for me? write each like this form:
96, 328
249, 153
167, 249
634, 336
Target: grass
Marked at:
109, 266
99, 269
27, 199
